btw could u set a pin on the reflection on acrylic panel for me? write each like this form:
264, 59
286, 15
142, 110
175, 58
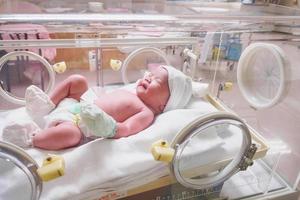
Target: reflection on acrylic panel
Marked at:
13, 190
209, 151
263, 76
140, 60
19, 72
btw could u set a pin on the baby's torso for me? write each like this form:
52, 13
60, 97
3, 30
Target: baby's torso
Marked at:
120, 104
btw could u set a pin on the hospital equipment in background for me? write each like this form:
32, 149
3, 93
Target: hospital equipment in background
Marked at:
243, 60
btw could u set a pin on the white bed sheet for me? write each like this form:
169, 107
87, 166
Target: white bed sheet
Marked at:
105, 165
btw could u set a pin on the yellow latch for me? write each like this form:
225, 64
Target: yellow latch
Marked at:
115, 64
53, 167
161, 151
228, 86
60, 67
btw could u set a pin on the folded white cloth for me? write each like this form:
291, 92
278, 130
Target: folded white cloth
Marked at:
38, 104
180, 87
20, 133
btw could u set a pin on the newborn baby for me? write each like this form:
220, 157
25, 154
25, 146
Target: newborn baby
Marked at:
121, 113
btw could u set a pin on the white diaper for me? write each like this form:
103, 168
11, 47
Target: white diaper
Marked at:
92, 121
61, 113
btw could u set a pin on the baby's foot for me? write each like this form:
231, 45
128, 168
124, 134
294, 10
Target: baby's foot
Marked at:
38, 103
20, 134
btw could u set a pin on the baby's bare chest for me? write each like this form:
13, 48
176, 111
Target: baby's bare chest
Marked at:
120, 104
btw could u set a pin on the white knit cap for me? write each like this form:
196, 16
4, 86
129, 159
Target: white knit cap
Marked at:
180, 87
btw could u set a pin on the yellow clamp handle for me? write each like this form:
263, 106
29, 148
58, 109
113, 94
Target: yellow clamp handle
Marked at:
60, 67
115, 64
53, 167
161, 151
228, 86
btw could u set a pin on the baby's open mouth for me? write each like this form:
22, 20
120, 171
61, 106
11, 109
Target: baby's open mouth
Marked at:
144, 85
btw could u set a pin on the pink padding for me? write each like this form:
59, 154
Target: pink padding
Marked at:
16, 6
33, 31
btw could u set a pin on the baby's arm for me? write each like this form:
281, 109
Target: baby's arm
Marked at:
134, 124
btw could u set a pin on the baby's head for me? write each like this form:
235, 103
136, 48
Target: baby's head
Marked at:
164, 88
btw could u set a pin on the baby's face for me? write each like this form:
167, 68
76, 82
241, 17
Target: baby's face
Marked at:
153, 88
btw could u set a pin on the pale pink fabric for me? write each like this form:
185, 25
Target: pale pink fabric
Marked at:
16, 6
33, 31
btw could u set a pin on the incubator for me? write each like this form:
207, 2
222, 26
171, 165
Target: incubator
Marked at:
236, 139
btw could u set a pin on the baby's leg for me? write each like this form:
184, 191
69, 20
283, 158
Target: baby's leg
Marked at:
62, 136
73, 87
38, 104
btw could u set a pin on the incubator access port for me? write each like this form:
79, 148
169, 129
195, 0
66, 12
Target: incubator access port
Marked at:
192, 143
31, 57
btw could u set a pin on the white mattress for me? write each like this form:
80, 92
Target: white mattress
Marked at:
105, 165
